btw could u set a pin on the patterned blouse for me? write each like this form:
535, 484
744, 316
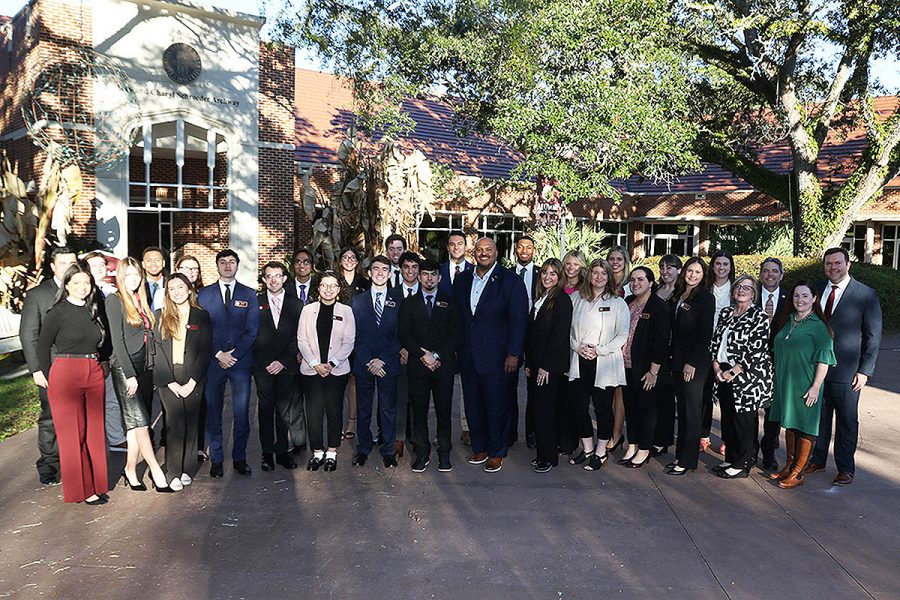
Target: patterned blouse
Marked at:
747, 346
636, 309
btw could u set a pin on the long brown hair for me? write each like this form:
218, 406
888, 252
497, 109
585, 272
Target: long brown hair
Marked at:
557, 267
126, 297
170, 324
90, 302
782, 317
681, 284
587, 288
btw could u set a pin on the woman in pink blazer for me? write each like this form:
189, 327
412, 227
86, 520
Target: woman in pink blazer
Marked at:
325, 338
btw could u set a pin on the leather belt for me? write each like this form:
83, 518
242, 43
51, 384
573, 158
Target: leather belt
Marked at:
93, 356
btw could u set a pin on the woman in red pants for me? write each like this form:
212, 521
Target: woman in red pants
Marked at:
75, 385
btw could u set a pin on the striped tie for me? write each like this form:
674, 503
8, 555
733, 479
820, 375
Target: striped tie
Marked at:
770, 308
378, 309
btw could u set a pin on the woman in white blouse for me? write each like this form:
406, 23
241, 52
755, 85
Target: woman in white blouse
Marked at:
599, 330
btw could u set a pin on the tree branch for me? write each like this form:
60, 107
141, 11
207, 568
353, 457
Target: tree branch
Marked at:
765, 180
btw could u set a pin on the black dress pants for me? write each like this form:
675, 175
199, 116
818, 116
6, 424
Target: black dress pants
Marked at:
640, 410
438, 385
706, 422
543, 399
769, 442
690, 416
565, 425
738, 429
48, 462
665, 416
325, 398
183, 416
512, 393
275, 393
602, 399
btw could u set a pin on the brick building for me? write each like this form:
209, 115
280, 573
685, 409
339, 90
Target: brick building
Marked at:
650, 220
211, 152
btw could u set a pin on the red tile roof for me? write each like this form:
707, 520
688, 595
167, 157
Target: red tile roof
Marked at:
324, 113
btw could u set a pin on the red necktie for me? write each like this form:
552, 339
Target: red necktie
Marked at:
829, 305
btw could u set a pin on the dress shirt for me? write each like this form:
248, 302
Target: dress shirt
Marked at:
410, 291
427, 295
306, 286
838, 294
383, 291
462, 268
396, 276
276, 302
722, 295
232, 283
538, 305
478, 284
765, 298
527, 277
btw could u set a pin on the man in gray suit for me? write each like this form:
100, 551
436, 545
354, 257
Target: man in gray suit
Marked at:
854, 314
38, 301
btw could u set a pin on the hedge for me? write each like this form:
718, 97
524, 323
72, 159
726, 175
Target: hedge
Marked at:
885, 280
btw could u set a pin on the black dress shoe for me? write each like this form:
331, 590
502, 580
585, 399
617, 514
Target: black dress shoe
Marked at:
285, 461
268, 463
216, 470
298, 449
543, 467
359, 459
98, 501
444, 465
104, 496
48, 479
314, 463
419, 464
242, 467
718, 469
739, 475
390, 461
378, 439
637, 465
330, 465
531, 440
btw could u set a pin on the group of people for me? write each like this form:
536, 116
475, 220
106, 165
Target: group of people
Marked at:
389, 340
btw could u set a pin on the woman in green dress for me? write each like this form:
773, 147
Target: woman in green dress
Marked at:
804, 350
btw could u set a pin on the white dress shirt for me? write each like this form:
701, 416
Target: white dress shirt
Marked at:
478, 284
723, 298
528, 278
232, 283
410, 291
462, 268
838, 294
775, 295
276, 305
306, 286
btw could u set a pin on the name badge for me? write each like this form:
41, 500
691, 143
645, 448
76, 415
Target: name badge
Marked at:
263, 307
241, 304
390, 303
337, 317
645, 315
603, 309
192, 327
685, 307
441, 304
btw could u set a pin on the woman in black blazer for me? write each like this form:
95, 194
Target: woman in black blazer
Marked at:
351, 269
131, 368
646, 364
547, 358
182, 343
694, 310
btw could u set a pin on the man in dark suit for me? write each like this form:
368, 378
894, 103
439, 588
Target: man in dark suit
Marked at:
234, 314
530, 274
38, 301
450, 270
154, 263
301, 288
376, 360
394, 247
854, 314
275, 357
493, 305
429, 332
409, 286
773, 300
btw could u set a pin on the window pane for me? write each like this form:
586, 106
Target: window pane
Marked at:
890, 232
677, 247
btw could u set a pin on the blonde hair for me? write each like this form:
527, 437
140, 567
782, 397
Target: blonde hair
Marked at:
126, 297
578, 255
170, 325
586, 290
753, 283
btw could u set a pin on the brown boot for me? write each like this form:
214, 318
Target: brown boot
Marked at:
804, 447
789, 440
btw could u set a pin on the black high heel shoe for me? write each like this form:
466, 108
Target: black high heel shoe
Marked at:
98, 501
637, 465
617, 445
140, 487
162, 490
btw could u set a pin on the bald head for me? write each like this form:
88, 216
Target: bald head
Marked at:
485, 255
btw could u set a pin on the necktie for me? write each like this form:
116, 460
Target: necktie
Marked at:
302, 293
408, 292
829, 305
396, 278
429, 304
456, 272
276, 309
153, 288
770, 307
228, 297
522, 273
378, 309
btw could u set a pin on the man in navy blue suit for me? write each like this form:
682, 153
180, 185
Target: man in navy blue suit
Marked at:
234, 312
456, 247
494, 309
376, 360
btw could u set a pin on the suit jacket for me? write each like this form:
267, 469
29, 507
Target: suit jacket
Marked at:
38, 301
343, 332
279, 343
650, 342
290, 288
377, 341
158, 298
446, 286
126, 338
439, 333
234, 328
535, 279
856, 322
197, 353
547, 341
497, 328
785, 305
692, 330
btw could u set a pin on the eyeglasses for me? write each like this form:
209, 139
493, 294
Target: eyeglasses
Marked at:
329, 286
745, 288
302, 261
350, 257
189, 268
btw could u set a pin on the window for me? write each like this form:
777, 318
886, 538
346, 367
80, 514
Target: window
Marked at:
855, 242
660, 239
433, 232
890, 245
616, 233
503, 229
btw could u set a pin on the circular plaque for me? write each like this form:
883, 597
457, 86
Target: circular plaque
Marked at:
182, 63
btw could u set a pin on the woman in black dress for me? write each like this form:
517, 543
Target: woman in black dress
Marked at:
351, 270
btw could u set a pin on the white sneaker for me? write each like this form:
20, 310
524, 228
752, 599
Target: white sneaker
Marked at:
186, 479
176, 485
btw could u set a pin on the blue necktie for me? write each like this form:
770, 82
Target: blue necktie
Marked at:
378, 309
429, 305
